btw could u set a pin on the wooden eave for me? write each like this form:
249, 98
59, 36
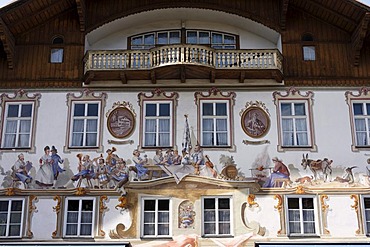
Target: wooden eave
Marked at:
81, 10
358, 36
8, 41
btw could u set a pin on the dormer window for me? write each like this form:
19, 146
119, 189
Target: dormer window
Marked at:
56, 51
308, 48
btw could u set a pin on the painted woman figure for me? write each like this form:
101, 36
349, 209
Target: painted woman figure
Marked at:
45, 176
139, 164
121, 173
56, 161
280, 171
176, 158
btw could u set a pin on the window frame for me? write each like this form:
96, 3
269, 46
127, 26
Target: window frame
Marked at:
156, 211
85, 97
361, 96
293, 95
20, 97
365, 225
157, 96
308, 41
57, 44
217, 221
93, 221
215, 95
22, 217
301, 221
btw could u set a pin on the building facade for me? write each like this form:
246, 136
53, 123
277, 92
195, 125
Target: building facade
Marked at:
185, 123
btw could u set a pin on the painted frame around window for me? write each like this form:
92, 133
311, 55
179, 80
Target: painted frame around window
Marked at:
215, 95
20, 97
362, 96
156, 97
293, 95
86, 96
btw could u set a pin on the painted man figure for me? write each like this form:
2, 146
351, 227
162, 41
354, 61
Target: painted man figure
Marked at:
280, 171
56, 161
21, 169
197, 159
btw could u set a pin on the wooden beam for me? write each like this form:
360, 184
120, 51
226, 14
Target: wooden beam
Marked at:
357, 38
183, 74
81, 10
153, 77
123, 77
8, 41
283, 13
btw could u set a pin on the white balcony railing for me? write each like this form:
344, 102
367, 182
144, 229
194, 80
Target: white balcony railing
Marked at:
182, 54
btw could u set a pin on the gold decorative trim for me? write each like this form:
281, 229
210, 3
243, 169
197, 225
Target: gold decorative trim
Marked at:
56, 209
80, 191
10, 192
356, 207
102, 208
31, 209
300, 190
250, 200
324, 210
279, 207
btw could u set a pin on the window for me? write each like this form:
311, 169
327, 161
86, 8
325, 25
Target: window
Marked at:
216, 216
301, 216
156, 217
214, 127
85, 118
359, 113
157, 124
11, 218
309, 52
294, 124
19, 117
79, 217
366, 206
215, 114
56, 53
295, 121
157, 121
216, 40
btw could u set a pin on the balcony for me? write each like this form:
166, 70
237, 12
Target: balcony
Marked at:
182, 62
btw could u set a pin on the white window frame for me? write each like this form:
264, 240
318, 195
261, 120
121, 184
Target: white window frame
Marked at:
217, 220
79, 219
86, 97
362, 96
8, 223
215, 118
214, 95
157, 119
301, 220
19, 98
292, 96
366, 215
157, 96
156, 212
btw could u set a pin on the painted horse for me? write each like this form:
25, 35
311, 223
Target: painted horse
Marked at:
316, 166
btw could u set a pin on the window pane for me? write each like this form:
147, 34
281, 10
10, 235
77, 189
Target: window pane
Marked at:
164, 109
149, 205
87, 205
293, 203
78, 126
174, 37
91, 140
223, 203
286, 109
209, 228
26, 110
221, 109
208, 125
15, 217
221, 125
163, 217
366, 202
367, 109
163, 229
79, 110
149, 39
216, 38
92, 110
14, 230
163, 205
357, 109
164, 125
191, 37
151, 110
163, 38
309, 53
307, 203
295, 227
56, 55
209, 203
224, 228
203, 37
92, 125
13, 111
229, 39
137, 40
299, 109
73, 205
4, 206
207, 109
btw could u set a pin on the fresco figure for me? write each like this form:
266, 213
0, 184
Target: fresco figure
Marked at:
86, 171
280, 171
176, 158
168, 157
20, 171
101, 173
254, 125
139, 165
122, 173
347, 177
158, 158
45, 176
197, 159
55, 165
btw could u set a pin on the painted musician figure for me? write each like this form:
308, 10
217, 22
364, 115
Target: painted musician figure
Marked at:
197, 159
